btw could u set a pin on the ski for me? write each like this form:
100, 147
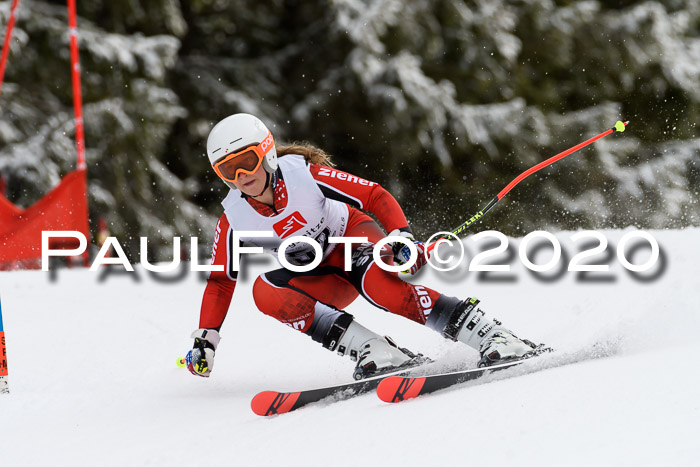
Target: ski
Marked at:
268, 403
399, 388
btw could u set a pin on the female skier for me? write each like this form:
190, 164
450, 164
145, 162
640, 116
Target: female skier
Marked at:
295, 191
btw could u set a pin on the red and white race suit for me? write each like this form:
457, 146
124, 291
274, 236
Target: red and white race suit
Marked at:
319, 202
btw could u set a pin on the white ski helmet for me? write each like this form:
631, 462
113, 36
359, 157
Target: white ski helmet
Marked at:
236, 132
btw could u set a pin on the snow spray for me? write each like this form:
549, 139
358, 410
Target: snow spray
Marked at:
4, 387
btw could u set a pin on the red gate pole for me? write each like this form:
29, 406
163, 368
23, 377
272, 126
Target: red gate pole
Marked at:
77, 96
8, 38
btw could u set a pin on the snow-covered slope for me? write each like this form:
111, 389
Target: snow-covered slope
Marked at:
93, 378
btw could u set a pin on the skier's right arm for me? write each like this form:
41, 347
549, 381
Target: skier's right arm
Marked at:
215, 304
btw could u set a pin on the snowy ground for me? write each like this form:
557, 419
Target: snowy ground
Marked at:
94, 381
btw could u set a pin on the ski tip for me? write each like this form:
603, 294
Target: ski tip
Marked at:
398, 388
269, 403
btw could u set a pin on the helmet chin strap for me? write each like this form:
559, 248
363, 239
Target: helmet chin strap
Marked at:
267, 184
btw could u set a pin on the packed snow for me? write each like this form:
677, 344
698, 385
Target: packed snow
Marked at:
93, 379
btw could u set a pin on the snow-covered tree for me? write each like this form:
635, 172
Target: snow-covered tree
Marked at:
442, 101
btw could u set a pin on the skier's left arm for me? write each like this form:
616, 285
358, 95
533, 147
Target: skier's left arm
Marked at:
370, 196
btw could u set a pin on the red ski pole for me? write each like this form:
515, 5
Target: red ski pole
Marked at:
619, 127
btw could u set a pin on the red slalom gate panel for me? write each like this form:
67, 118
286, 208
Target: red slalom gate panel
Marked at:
63, 208
8, 212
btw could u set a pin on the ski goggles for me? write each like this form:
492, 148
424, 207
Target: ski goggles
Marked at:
246, 161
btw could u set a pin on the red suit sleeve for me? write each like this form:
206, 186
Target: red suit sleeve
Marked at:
220, 284
360, 193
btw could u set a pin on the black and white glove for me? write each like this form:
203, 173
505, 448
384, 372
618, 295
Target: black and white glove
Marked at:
200, 360
402, 253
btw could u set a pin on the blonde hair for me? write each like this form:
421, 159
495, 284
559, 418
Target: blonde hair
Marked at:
311, 153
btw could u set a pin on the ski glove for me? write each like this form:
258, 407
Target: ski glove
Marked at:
402, 253
200, 360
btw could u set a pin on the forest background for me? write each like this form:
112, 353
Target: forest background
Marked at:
443, 102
